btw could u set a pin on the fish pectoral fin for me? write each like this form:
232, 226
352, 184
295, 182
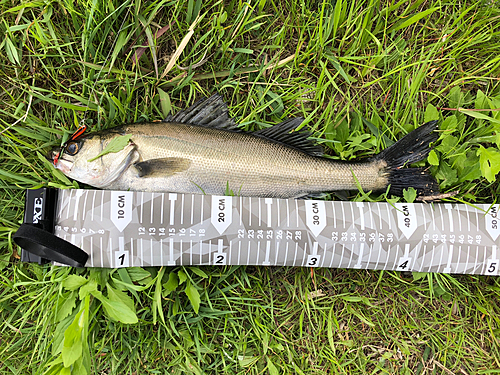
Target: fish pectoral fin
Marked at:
162, 167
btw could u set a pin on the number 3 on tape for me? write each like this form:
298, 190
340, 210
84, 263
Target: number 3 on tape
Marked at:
312, 261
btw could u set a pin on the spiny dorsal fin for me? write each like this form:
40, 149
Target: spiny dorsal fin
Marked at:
211, 112
161, 167
282, 133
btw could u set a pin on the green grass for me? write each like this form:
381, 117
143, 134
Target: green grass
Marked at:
362, 73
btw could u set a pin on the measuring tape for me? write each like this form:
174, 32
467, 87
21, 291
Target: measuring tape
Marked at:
129, 229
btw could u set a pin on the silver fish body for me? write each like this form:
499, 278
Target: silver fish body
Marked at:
213, 160
190, 158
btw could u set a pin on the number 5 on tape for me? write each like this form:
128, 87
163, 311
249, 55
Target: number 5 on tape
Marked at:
492, 263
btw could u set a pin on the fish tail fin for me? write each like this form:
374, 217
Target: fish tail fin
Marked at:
410, 149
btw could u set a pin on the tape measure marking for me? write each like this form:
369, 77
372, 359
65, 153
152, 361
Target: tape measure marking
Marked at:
132, 231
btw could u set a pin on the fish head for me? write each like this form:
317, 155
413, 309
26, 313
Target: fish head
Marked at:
77, 159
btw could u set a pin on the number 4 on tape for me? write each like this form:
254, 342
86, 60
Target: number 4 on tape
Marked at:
404, 263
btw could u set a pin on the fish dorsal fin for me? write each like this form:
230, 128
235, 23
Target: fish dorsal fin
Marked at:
282, 133
211, 112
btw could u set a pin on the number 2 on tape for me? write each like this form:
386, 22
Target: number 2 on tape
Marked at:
220, 259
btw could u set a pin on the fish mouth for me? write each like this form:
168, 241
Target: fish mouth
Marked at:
62, 164
51, 155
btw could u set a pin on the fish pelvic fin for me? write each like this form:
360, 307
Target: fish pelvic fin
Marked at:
162, 167
411, 148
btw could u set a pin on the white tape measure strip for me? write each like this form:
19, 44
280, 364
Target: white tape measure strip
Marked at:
124, 229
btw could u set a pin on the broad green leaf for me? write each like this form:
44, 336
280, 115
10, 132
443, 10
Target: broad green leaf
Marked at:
448, 144
431, 113
171, 284
166, 106
470, 172
137, 273
342, 132
116, 145
193, 295
88, 288
116, 295
271, 367
410, 194
73, 282
419, 275
58, 340
182, 276
199, 272
79, 367
495, 103
456, 97
446, 174
67, 306
481, 101
72, 348
247, 361
449, 123
489, 160
116, 310
433, 159
410, 21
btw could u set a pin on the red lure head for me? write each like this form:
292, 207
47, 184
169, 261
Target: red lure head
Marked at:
76, 135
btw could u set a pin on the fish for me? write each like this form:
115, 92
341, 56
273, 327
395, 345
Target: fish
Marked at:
202, 150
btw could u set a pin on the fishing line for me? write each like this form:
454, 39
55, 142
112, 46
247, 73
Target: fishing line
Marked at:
105, 61
83, 127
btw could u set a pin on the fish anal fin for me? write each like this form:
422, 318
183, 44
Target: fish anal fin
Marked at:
284, 133
210, 112
162, 167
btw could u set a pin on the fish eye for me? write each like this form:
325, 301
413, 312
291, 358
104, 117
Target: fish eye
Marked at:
72, 148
